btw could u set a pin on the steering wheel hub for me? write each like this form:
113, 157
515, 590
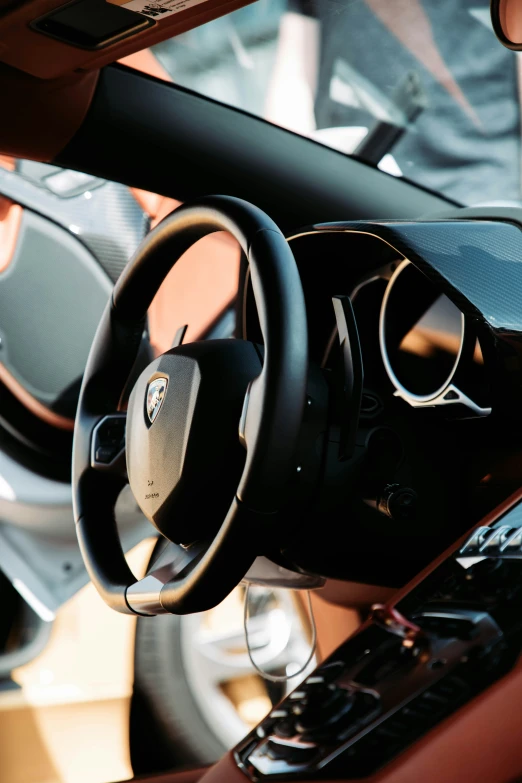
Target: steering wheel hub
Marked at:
184, 458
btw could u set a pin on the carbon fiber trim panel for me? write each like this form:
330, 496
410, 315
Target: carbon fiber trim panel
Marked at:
478, 265
103, 214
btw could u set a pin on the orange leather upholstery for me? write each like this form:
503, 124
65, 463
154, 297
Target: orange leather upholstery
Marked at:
185, 776
56, 108
10, 219
479, 743
334, 624
47, 58
225, 771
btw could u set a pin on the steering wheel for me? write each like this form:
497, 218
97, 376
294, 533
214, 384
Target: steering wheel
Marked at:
211, 427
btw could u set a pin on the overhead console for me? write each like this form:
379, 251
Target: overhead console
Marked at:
448, 637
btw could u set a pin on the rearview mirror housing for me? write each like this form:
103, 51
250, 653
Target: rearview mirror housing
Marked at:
506, 16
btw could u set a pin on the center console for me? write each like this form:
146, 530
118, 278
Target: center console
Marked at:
414, 662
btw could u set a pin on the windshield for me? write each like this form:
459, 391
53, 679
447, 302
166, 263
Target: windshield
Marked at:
421, 88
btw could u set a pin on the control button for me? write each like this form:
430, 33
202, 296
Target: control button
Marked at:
285, 729
450, 688
475, 541
367, 704
495, 540
108, 445
390, 662
434, 698
498, 542
277, 714
398, 503
323, 708
106, 454
418, 711
313, 727
366, 708
446, 625
113, 434
291, 752
318, 694
330, 671
315, 680
395, 728
513, 543
392, 620
429, 706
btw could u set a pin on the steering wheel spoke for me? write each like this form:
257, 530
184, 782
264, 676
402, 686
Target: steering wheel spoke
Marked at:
249, 421
174, 562
108, 444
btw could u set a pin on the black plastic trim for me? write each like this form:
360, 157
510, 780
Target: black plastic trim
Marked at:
166, 139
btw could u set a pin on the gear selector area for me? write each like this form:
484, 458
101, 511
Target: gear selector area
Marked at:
408, 667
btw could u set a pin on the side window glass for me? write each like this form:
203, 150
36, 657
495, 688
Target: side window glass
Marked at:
65, 238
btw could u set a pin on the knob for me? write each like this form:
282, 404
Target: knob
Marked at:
322, 707
397, 502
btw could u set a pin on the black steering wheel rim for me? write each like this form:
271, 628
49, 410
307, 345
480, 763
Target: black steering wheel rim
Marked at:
273, 420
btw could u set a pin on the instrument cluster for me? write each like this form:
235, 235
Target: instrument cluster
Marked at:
424, 417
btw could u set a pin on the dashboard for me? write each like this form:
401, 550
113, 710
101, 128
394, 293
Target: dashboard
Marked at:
435, 330
437, 308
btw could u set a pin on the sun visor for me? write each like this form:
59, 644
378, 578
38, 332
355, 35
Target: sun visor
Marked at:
92, 24
49, 39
